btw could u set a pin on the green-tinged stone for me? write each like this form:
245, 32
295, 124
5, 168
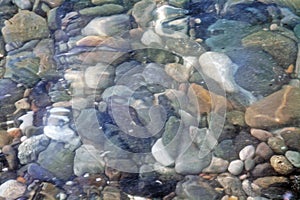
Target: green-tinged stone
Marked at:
142, 12
179, 3
105, 10
100, 2
171, 129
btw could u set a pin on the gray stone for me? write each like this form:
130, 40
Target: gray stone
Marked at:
178, 72
263, 151
57, 160
161, 155
277, 144
232, 185
247, 152
29, 150
293, 157
88, 160
107, 26
251, 189
217, 165
12, 189
123, 165
226, 151
99, 76
236, 167
142, 12
23, 4
105, 10
193, 187
249, 164
100, 2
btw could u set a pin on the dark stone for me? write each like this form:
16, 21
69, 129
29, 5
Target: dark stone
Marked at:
244, 138
226, 150
292, 139
262, 170
5, 176
39, 94
36, 172
9, 92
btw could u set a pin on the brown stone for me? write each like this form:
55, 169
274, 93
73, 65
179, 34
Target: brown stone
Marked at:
25, 26
277, 109
260, 134
207, 101
15, 132
266, 182
263, 151
5, 139
91, 41
291, 137
281, 164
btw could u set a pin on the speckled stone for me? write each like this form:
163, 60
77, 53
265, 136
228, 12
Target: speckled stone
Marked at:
293, 157
281, 164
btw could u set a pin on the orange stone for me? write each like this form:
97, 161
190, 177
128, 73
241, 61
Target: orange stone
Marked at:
207, 101
277, 109
14, 132
21, 179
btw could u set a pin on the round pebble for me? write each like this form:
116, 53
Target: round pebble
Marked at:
263, 151
281, 164
249, 164
260, 134
247, 152
293, 157
236, 167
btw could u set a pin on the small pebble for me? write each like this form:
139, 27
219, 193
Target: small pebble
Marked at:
236, 167
247, 152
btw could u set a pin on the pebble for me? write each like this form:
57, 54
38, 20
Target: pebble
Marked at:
142, 12
23, 4
232, 185
267, 181
104, 10
291, 138
12, 189
251, 189
293, 157
260, 134
263, 151
249, 164
281, 164
150, 38
160, 153
99, 76
277, 144
247, 152
236, 167
10, 156
217, 165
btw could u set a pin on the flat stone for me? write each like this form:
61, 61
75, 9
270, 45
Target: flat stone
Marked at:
142, 12
178, 72
267, 181
99, 76
206, 101
249, 164
293, 157
282, 48
107, 26
264, 169
263, 151
91, 41
29, 150
281, 164
88, 160
236, 167
280, 112
25, 26
216, 166
247, 152
12, 189
151, 39
260, 134
105, 10
226, 151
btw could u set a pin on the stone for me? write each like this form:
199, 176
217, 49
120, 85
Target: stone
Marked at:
216, 166
53, 3
178, 72
281, 164
15, 132
247, 152
111, 193
281, 111
10, 93
23, 4
36, 172
161, 155
104, 10
236, 167
5, 138
251, 189
282, 48
260, 134
235, 117
186, 47
142, 12
151, 39
88, 160
226, 151
263, 151
267, 181
25, 26
277, 144
249, 164
12, 189
206, 101
29, 150
293, 157
91, 41
264, 169
99, 76
178, 3
11, 156
193, 187
57, 160
27, 120
107, 26
100, 2
291, 138
232, 185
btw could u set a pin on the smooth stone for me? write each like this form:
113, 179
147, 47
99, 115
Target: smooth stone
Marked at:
291, 138
266, 182
281, 164
12, 189
100, 2
27, 120
53, 3
260, 134
57, 160
249, 164
88, 160
206, 101
124, 165
178, 3
264, 169
220, 68
282, 48
264, 151
280, 112
247, 152
193, 187
293, 157
99, 76
251, 189
226, 151
23, 4
142, 12
91, 41
161, 155
25, 26
235, 117
36, 172
236, 167
151, 39
59, 133
95, 57
11, 156
232, 185
186, 47
107, 26
111, 193
29, 150
216, 166
155, 74
105, 10
277, 144
178, 72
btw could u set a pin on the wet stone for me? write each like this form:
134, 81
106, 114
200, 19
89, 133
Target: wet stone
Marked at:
260, 134
277, 144
281, 164
142, 12
217, 165
293, 157
232, 185
263, 151
292, 138
226, 151
105, 10
247, 152
264, 169
12, 189
236, 167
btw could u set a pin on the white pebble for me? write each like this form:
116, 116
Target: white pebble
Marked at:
247, 152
